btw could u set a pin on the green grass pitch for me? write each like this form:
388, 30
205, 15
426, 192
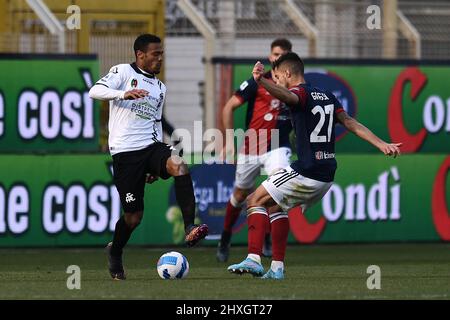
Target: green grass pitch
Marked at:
408, 271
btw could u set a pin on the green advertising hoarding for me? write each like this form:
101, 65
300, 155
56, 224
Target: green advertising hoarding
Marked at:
374, 199
45, 104
399, 102
70, 200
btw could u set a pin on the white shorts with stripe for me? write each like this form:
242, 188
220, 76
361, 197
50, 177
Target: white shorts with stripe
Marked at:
289, 189
248, 167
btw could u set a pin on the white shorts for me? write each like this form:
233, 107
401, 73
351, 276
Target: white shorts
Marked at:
249, 166
289, 189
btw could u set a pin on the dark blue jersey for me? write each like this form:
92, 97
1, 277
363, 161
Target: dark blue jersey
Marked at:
313, 119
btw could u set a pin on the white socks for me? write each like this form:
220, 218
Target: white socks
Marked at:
276, 265
235, 203
254, 257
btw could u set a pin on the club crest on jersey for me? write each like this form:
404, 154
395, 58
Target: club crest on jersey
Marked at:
274, 104
134, 83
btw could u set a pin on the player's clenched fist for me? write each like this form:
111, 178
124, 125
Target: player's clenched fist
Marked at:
135, 94
258, 71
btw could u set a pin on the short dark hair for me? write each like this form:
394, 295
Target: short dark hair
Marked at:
283, 43
143, 41
295, 63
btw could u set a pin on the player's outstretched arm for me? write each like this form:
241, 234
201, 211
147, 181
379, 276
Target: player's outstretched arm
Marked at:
111, 86
390, 149
101, 92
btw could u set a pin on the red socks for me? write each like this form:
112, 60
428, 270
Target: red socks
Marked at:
280, 229
231, 216
257, 220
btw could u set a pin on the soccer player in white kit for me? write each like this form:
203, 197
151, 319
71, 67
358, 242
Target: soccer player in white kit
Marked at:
135, 133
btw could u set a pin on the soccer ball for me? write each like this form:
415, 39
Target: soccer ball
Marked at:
172, 265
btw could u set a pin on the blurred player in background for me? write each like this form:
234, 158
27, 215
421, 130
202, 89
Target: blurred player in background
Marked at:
135, 133
314, 112
264, 114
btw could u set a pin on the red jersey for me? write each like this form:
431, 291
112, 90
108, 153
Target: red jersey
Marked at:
268, 121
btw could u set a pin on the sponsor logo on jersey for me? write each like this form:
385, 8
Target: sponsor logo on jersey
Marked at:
243, 85
268, 117
144, 109
321, 155
161, 99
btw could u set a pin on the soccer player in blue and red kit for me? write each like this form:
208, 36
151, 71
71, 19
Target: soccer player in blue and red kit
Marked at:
266, 144
314, 112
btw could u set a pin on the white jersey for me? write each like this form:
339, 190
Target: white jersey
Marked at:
133, 124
